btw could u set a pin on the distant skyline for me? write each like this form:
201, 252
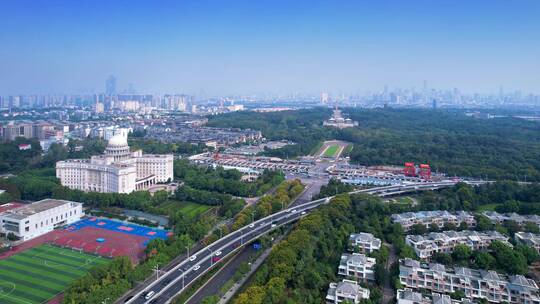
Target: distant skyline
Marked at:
279, 47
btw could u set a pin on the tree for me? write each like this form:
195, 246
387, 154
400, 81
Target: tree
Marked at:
531, 227
530, 253
462, 253
210, 300
407, 252
507, 259
484, 260
483, 223
450, 226
433, 227
418, 229
442, 258
380, 274
12, 237
457, 295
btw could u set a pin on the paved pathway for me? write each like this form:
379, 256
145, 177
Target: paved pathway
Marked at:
388, 290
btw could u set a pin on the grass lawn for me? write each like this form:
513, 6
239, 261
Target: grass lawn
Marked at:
192, 209
405, 200
38, 274
488, 207
331, 151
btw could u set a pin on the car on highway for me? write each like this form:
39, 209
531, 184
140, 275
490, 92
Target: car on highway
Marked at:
149, 295
293, 211
274, 225
197, 267
218, 253
251, 225
303, 213
193, 258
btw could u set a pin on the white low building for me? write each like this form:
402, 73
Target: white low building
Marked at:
32, 220
528, 239
409, 296
521, 220
364, 242
119, 170
344, 291
357, 266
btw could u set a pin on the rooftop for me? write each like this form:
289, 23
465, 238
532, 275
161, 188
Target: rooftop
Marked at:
37, 207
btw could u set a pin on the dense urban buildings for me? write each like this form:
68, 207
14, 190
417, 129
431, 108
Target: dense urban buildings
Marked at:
476, 284
27, 221
119, 170
212, 137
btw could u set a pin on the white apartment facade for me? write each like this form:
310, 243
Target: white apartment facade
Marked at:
32, 220
499, 218
409, 296
429, 218
364, 242
118, 171
346, 290
357, 266
445, 242
528, 239
476, 284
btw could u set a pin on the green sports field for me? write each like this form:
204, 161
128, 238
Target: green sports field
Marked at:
193, 209
38, 274
331, 151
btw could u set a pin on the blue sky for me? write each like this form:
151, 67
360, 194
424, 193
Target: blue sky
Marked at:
224, 47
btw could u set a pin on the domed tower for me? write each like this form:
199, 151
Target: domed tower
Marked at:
118, 148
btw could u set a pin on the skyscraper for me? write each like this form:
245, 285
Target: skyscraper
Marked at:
110, 86
325, 98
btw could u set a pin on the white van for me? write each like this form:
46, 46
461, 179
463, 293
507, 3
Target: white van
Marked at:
149, 295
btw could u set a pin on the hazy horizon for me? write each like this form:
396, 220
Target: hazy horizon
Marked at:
278, 47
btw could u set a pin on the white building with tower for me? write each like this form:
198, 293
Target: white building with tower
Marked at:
119, 170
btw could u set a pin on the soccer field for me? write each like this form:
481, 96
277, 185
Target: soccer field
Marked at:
331, 151
38, 274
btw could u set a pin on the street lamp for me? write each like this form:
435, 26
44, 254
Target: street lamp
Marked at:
156, 269
183, 277
187, 246
211, 257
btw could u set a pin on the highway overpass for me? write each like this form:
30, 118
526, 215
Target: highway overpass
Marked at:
187, 271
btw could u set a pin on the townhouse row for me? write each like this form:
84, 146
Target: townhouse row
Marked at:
475, 284
445, 242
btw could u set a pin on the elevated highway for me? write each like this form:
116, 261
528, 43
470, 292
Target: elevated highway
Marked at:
187, 271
